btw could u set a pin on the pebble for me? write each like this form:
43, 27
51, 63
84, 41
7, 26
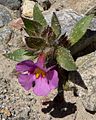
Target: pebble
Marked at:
27, 8
12, 4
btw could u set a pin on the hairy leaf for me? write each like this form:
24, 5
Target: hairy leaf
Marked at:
38, 16
65, 59
33, 28
80, 29
35, 43
55, 25
20, 55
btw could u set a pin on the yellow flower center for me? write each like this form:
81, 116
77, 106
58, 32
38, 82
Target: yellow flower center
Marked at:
39, 72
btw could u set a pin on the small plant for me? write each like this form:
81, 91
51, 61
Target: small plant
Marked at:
51, 49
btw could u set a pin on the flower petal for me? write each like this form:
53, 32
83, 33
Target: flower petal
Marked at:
26, 65
41, 60
41, 87
26, 81
53, 79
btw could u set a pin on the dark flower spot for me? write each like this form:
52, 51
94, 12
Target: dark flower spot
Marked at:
33, 83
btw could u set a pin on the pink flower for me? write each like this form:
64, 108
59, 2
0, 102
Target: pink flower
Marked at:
37, 76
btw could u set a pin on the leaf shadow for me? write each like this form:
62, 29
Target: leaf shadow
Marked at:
86, 45
76, 78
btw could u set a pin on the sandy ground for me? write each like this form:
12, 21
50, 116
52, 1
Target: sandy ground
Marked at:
17, 104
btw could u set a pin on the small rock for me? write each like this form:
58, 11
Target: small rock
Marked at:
5, 111
5, 16
27, 8
5, 31
12, 4
17, 23
5, 35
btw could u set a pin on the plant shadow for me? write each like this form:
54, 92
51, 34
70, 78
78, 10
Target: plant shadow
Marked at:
59, 108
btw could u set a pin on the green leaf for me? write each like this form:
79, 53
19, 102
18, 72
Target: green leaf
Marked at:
65, 59
32, 27
55, 25
20, 55
80, 29
38, 16
35, 43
